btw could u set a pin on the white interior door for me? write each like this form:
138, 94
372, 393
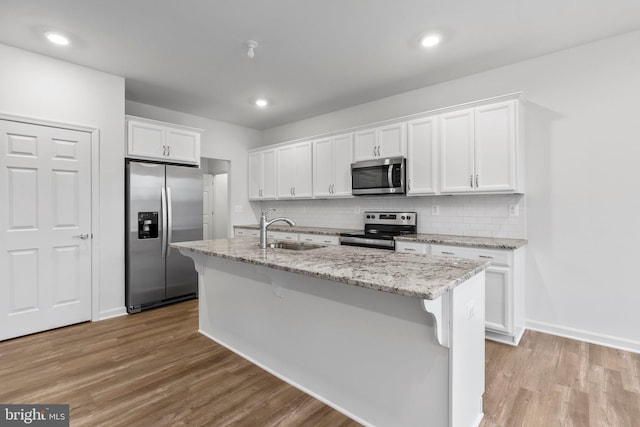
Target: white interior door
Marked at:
220, 207
207, 200
45, 226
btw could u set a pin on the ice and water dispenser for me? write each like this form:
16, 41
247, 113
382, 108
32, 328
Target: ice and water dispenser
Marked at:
147, 225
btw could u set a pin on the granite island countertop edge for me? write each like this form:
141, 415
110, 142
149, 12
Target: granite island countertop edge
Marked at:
421, 276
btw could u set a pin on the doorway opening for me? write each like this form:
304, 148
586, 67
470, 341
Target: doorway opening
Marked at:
215, 198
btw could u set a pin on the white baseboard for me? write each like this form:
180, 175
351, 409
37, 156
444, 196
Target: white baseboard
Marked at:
113, 312
580, 335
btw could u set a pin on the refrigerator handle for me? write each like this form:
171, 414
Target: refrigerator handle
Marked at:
163, 207
170, 221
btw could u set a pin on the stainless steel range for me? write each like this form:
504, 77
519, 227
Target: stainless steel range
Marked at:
380, 228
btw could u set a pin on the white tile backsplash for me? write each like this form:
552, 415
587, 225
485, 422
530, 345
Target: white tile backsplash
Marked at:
477, 215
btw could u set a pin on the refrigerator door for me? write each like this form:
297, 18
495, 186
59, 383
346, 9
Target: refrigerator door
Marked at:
184, 195
145, 264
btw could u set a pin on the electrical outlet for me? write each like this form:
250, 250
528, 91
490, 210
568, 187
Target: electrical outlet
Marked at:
514, 210
357, 209
471, 309
435, 210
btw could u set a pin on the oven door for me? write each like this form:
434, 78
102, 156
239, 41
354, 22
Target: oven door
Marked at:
381, 176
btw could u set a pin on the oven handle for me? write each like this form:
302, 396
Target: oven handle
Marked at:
372, 243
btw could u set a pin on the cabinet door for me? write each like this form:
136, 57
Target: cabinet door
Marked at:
365, 145
342, 159
255, 175
285, 172
183, 146
392, 140
303, 170
145, 140
497, 299
421, 159
495, 146
457, 169
323, 165
268, 174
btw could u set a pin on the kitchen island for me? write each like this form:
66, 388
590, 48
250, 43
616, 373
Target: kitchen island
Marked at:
386, 338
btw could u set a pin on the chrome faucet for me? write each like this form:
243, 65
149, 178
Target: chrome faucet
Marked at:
264, 223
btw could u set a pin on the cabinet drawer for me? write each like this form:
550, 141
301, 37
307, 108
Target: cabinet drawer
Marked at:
246, 232
412, 248
495, 256
319, 239
280, 235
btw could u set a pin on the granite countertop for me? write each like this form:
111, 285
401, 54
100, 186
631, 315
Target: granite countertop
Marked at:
421, 276
476, 242
297, 229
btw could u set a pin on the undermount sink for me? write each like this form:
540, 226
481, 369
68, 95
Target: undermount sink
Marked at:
293, 246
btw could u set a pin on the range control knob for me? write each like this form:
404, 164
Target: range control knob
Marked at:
373, 217
403, 217
368, 216
408, 216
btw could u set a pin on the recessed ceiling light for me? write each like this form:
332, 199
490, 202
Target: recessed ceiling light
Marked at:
430, 40
261, 102
57, 38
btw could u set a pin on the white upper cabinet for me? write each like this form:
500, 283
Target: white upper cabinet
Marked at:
381, 142
332, 166
262, 174
294, 171
153, 140
422, 160
457, 152
482, 149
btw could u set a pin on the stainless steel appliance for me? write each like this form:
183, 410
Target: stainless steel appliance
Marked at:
380, 228
380, 176
163, 205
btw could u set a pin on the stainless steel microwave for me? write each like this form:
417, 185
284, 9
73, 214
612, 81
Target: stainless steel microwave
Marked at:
379, 176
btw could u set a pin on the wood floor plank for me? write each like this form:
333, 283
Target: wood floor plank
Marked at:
155, 369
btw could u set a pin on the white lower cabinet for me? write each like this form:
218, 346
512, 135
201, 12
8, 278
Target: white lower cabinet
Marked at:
246, 232
319, 239
504, 283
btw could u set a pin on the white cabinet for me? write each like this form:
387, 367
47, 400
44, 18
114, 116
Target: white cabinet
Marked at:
262, 174
319, 239
332, 159
381, 142
504, 289
153, 140
422, 156
482, 149
294, 171
246, 232
412, 247
281, 235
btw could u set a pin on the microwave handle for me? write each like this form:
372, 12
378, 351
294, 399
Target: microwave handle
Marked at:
390, 175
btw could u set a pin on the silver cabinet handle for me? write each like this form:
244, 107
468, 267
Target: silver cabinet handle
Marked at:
476, 181
471, 181
308, 240
294, 191
409, 249
374, 151
447, 253
163, 208
485, 256
83, 236
168, 150
409, 185
327, 241
169, 221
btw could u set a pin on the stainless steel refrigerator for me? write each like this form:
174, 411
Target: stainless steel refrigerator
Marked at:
163, 205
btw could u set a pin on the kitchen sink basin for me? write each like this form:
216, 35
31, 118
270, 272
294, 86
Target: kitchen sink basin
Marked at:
294, 246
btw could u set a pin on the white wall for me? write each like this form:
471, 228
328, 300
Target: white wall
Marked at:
220, 140
37, 86
583, 194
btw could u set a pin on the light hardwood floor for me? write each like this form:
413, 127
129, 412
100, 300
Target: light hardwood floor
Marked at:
154, 369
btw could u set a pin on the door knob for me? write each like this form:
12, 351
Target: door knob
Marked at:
83, 236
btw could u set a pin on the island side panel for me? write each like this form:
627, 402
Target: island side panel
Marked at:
369, 354
467, 351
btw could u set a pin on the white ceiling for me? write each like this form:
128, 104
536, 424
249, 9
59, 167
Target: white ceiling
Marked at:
314, 56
